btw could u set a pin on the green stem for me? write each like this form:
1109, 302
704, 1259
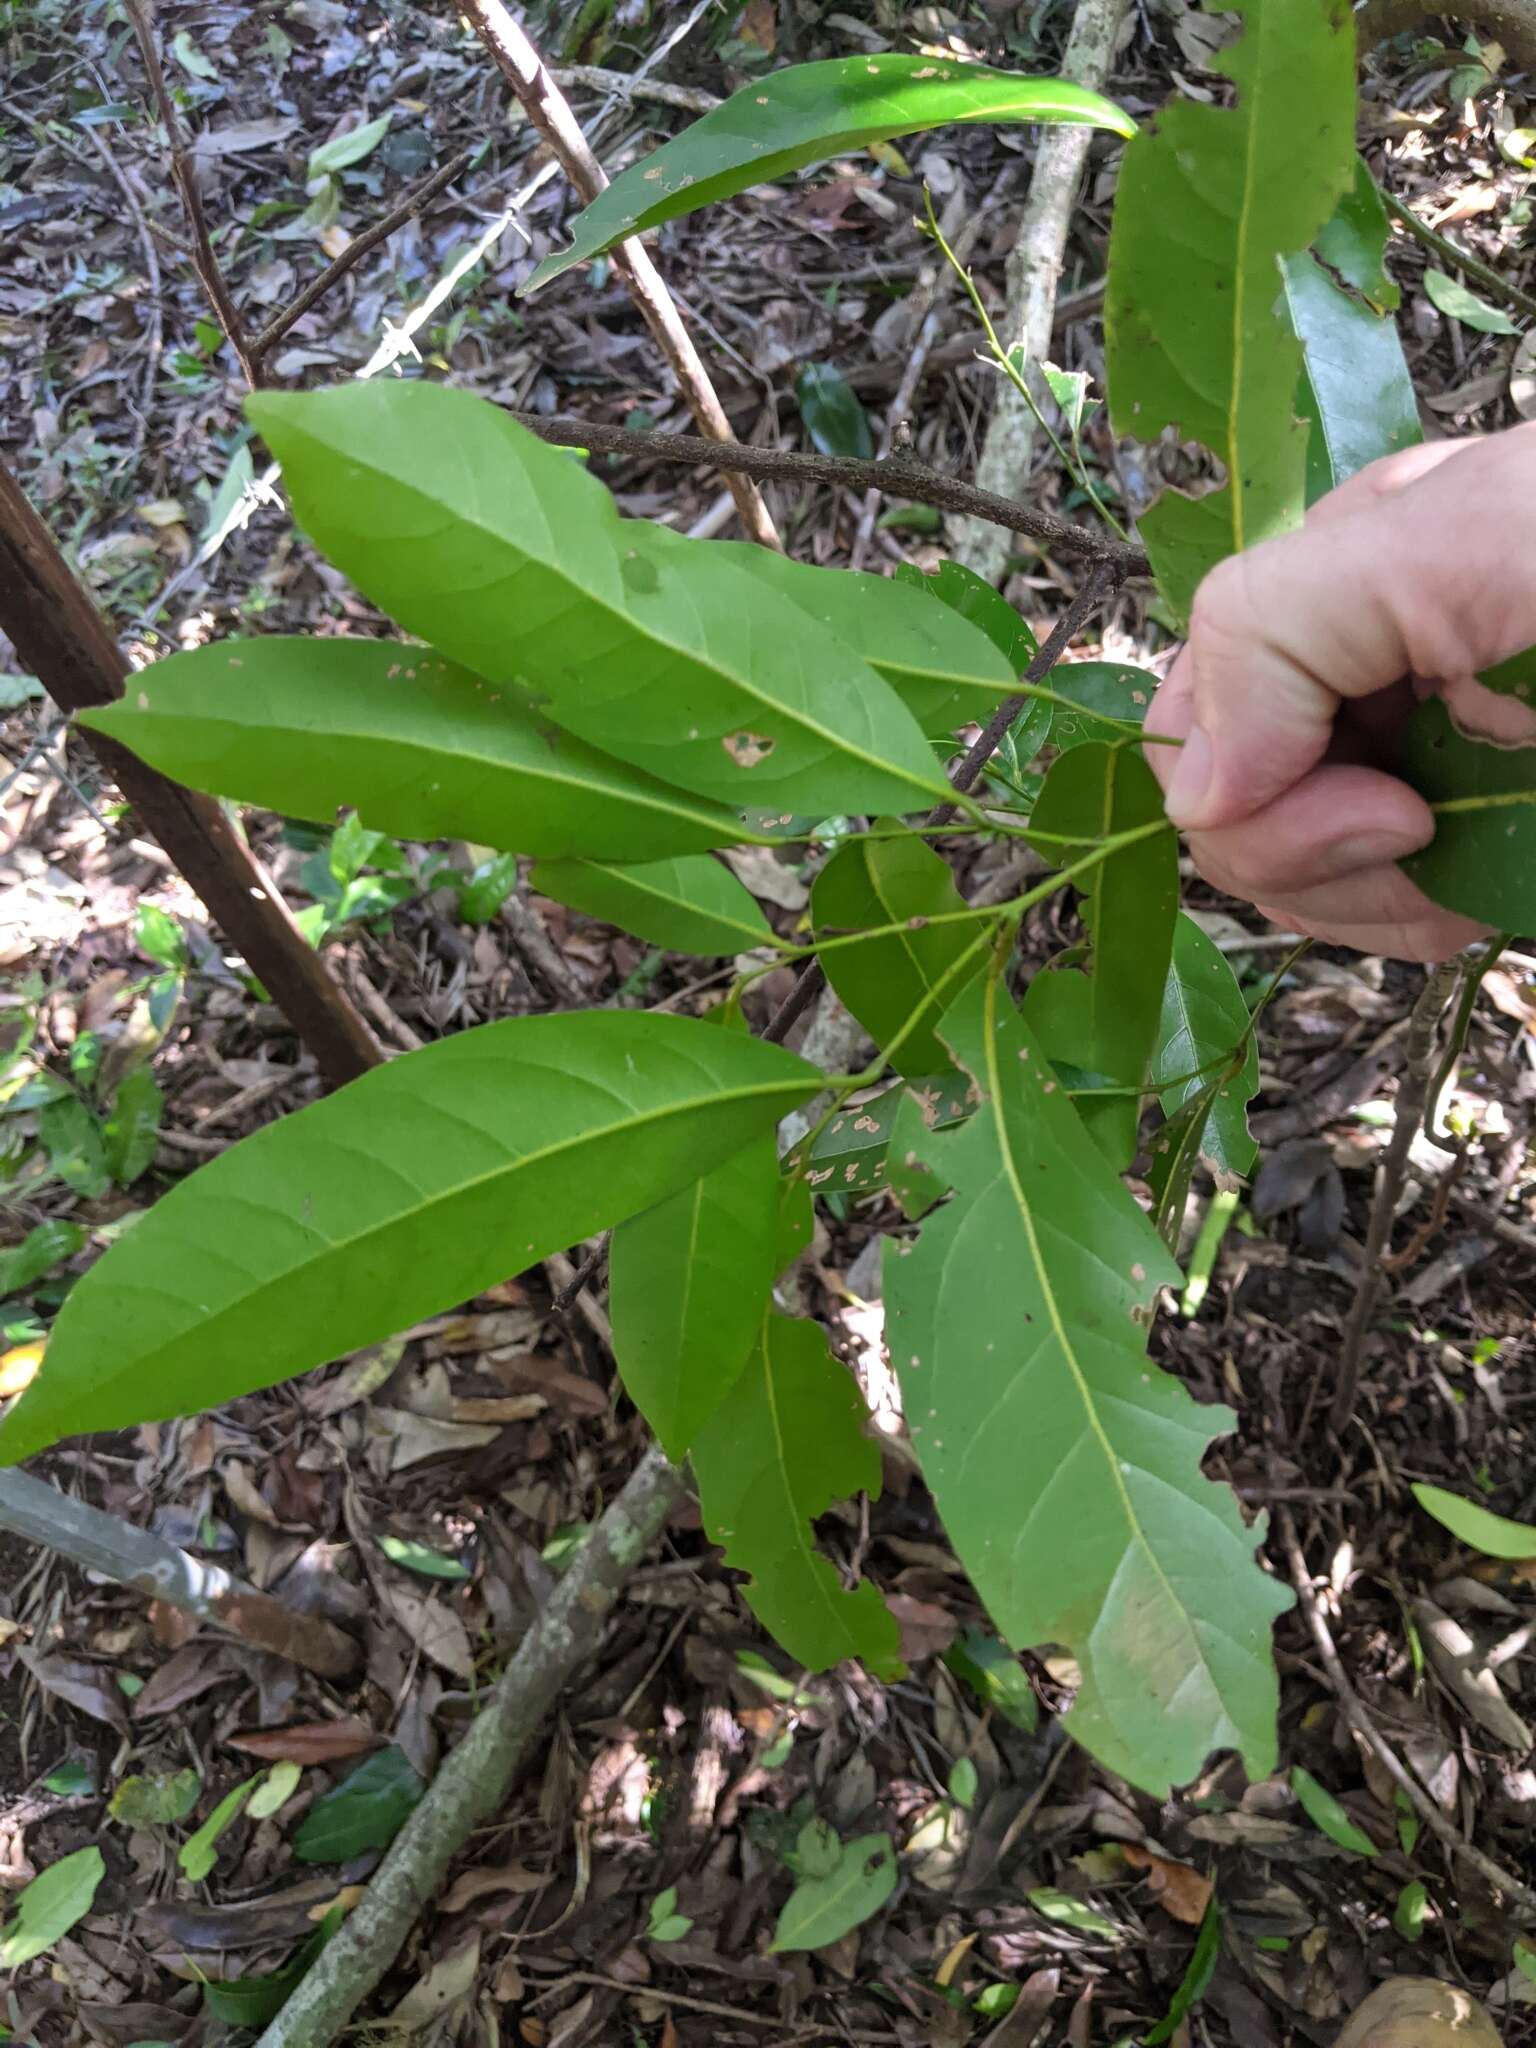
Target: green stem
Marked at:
1459, 259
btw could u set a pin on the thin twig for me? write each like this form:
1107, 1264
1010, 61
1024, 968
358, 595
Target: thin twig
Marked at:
472, 1785
1450, 252
547, 108
1412, 1089
155, 340
203, 259
369, 238
1359, 1719
625, 85
898, 475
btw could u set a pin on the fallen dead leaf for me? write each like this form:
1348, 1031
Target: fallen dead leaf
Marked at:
435, 1629
18, 1368
308, 1742
411, 1439
497, 1408
451, 1978
484, 1879
1419, 2012
1181, 1892
86, 1687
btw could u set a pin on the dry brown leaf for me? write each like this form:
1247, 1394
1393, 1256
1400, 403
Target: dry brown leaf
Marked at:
1419, 2012
477, 1883
1181, 1892
344, 1901
414, 1438
86, 1687
497, 1408
18, 1368
246, 1495
451, 1978
308, 1742
182, 1677
435, 1629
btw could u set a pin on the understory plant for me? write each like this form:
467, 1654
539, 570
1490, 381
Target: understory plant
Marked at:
622, 704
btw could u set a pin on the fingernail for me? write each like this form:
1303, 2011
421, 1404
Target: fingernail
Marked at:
1185, 796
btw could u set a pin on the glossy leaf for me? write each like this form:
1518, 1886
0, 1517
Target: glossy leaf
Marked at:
1482, 859
1104, 1019
365, 1811
805, 114
422, 1559
1355, 388
688, 1289
1352, 242
995, 1675
850, 1155
1210, 197
404, 1193
832, 415
1452, 298
511, 558
872, 881
44, 1911
424, 748
788, 1440
1325, 1812
1109, 695
691, 905
1494, 1535
822, 1909
1066, 1468
945, 669
961, 590
1205, 1019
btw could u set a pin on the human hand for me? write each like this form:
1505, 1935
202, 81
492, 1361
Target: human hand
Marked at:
1307, 652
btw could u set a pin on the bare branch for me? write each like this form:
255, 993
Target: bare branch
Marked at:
897, 475
204, 261
547, 108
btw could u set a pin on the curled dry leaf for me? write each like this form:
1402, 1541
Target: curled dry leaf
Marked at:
1419, 2012
1180, 1891
312, 1742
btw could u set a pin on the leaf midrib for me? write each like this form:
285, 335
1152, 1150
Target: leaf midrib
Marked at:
1058, 1325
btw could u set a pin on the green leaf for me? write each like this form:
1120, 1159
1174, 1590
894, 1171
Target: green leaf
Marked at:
1355, 387
1457, 303
72, 1778
257, 2001
874, 881
688, 905
1065, 1911
50, 1906
190, 57
487, 887
44, 1247
157, 1800
1069, 388
788, 1440
1325, 1812
996, 1676
426, 749
1482, 859
158, 936
1067, 1469
275, 1789
1210, 197
1103, 691
946, 670
199, 1852
1525, 1960
422, 1559
365, 1811
1106, 1019
1494, 1535
962, 591
833, 416
72, 1138
664, 1923
821, 1910
963, 1782
805, 114
688, 1288
344, 151
513, 559
131, 1132
1412, 1907
402, 1194
1198, 1973
17, 690
1205, 1018
851, 1153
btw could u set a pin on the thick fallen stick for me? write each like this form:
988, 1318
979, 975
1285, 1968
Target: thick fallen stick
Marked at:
160, 1571
472, 1785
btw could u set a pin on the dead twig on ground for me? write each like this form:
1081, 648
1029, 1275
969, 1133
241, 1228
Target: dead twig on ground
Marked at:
901, 476
160, 1571
155, 337
1412, 1091
624, 85
546, 107
1359, 1719
472, 1785
1034, 271
205, 262
66, 643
